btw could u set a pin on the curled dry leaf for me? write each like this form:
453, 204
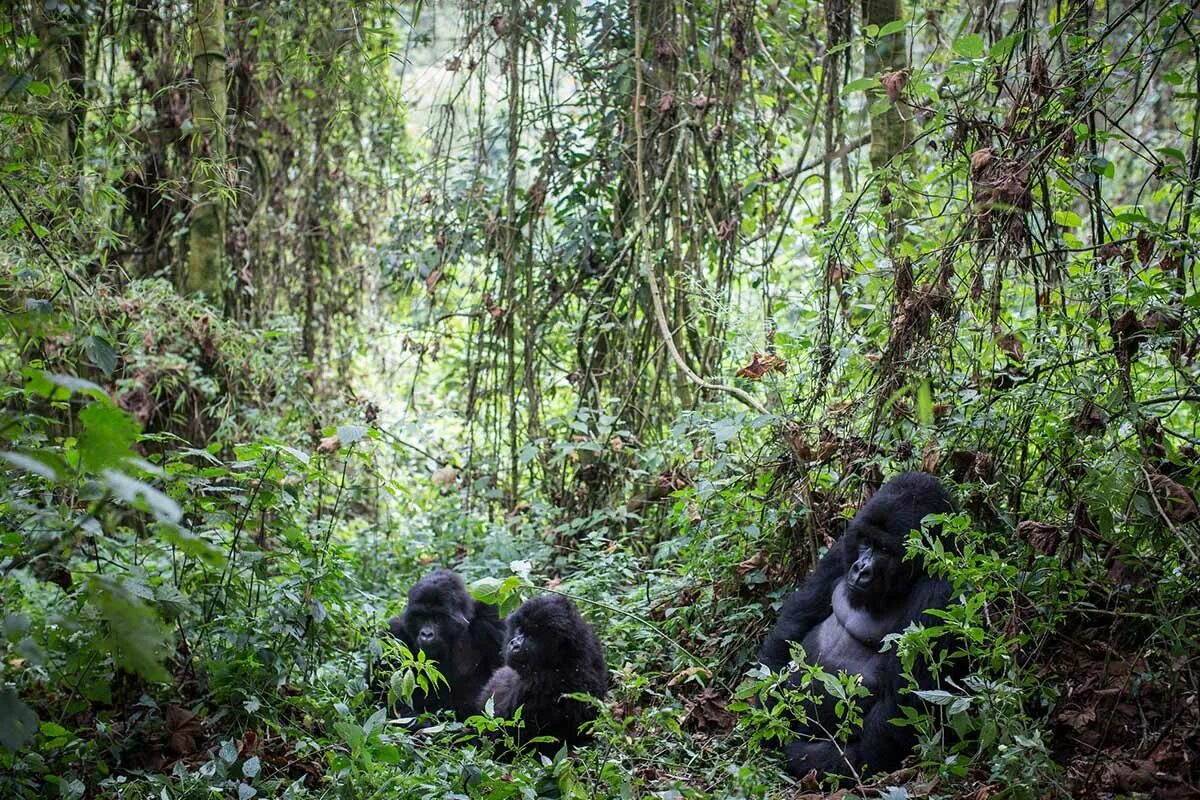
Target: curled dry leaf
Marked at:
762, 364
1041, 536
1011, 346
444, 476
329, 444
1176, 500
708, 712
681, 676
894, 83
980, 159
1090, 418
183, 730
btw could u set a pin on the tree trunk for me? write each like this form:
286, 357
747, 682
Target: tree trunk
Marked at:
890, 132
206, 236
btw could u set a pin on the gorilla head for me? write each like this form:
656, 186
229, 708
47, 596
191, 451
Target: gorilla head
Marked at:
861, 591
878, 577
551, 652
547, 627
438, 614
461, 634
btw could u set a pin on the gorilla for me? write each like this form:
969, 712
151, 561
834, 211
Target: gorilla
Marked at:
551, 651
463, 635
861, 591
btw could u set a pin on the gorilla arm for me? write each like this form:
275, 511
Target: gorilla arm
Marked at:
806, 607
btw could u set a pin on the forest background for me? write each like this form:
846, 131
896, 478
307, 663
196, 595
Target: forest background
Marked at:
632, 301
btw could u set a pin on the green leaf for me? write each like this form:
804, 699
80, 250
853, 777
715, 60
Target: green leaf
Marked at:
38, 88
1003, 48
895, 26
18, 723
137, 638
1068, 219
190, 544
970, 46
938, 697
1102, 166
108, 436
861, 84
349, 434
387, 754
925, 403
29, 464
101, 353
139, 495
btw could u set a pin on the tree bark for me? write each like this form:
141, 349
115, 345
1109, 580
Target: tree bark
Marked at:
206, 236
890, 131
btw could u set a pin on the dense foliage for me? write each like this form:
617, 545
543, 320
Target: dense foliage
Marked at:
635, 302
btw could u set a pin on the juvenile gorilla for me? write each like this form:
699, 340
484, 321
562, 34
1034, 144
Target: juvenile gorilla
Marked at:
463, 635
861, 591
551, 651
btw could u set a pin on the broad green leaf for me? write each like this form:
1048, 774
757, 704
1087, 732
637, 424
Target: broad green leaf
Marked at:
349, 434
108, 436
1102, 166
191, 544
1003, 48
938, 697
29, 464
137, 638
925, 403
860, 84
18, 723
895, 26
970, 46
137, 493
101, 353
1068, 219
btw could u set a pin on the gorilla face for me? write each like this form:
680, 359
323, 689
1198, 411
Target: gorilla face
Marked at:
538, 633
879, 577
437, 615
435, 630
448, 626
862, 590
551, 652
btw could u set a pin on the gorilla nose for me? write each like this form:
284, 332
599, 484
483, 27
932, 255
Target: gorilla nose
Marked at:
426, 635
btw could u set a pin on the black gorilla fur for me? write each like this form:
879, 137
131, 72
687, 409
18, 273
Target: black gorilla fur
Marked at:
463, 635
861, 591
551, 651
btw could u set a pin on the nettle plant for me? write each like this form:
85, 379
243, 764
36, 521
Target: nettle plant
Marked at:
981, 713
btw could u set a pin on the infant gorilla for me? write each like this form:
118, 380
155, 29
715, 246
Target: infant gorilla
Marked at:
551, 651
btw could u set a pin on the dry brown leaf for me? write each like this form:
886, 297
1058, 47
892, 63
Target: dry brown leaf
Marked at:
761, 364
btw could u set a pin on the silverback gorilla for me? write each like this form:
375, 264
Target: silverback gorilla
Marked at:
861, 591
551, 651
463, 635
